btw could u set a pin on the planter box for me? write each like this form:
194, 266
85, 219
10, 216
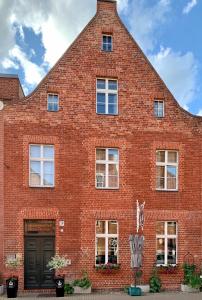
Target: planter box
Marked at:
134, 291
187, 289
79, 290
145, 288
1, 289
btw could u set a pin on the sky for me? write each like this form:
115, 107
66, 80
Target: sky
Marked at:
35, 33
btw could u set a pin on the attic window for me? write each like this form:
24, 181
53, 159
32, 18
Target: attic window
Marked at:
107, 42
159, 108
53, 102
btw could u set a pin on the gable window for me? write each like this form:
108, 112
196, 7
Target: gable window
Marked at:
107, 168
166, 243
107, 42
41, 162
53, 102
159, 108
107, 96
166, 170
106, 242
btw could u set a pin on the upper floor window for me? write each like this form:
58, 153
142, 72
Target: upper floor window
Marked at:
53, 102
41, 165
106, 242
107, 168
166, 243
159, 108
107, 42
107, 96
166, 170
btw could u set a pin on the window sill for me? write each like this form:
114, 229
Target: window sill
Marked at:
159, 190
107, 188
41, 186
103, 114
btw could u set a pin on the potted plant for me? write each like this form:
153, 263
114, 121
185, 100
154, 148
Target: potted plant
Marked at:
155, 281
192, 281
83, 285
1, 285
57, 263
12, 281
168, 269
134, 290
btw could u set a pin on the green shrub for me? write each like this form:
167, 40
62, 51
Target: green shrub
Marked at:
84, 282
155, 282
68, 289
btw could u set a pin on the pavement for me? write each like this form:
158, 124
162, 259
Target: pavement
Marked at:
116, 296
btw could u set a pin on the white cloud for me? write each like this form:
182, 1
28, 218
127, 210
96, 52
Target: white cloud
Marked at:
199, 113
8, 63
179, 72
145, 21
33, 73
190, 5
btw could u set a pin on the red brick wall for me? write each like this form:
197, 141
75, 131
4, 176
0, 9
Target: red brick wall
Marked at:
10, 88
76, 130
1, 189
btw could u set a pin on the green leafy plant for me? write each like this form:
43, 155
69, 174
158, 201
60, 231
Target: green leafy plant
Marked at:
108, 266
68, 289
84, 282
137, 276
155, 282
195, 281
58, 262
191, 276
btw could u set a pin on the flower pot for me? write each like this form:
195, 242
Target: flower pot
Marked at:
134, 291
187, 289
12, 287
80, 290
59, 286
1, 289
144, 287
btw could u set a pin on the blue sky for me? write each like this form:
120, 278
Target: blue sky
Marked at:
35, 34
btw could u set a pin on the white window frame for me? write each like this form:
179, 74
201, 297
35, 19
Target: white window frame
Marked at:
167, 236
107, 162
106, 236
158, 110
165, 165
108, 35
41, 159
52, 94
106, 92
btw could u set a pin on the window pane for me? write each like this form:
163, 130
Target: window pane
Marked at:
112, 98
160, 251
35, 167
172, 157
100, 175
112, 227
100, 247
160, 180
48, 168
101, 108
160, 156
113, 154
171, 227
101, 98
35, 151
100, 227
100, 154
112, 250
48, 152
48, 179
171, 171
171, 251
171, 183
112, 109
160, 228
101, 83
35, 179
112, 85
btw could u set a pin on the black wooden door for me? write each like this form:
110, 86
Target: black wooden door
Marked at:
38, 251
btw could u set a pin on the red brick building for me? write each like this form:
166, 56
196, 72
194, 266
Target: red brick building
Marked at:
100, 132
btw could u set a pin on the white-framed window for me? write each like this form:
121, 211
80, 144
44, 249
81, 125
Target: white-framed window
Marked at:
159, 108
107, 168
41, 165
107, 96
107, 42
106, 250
167, 170
166, 243
53, 102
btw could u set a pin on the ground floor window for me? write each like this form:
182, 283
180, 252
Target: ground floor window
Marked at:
166, 243
106, 242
